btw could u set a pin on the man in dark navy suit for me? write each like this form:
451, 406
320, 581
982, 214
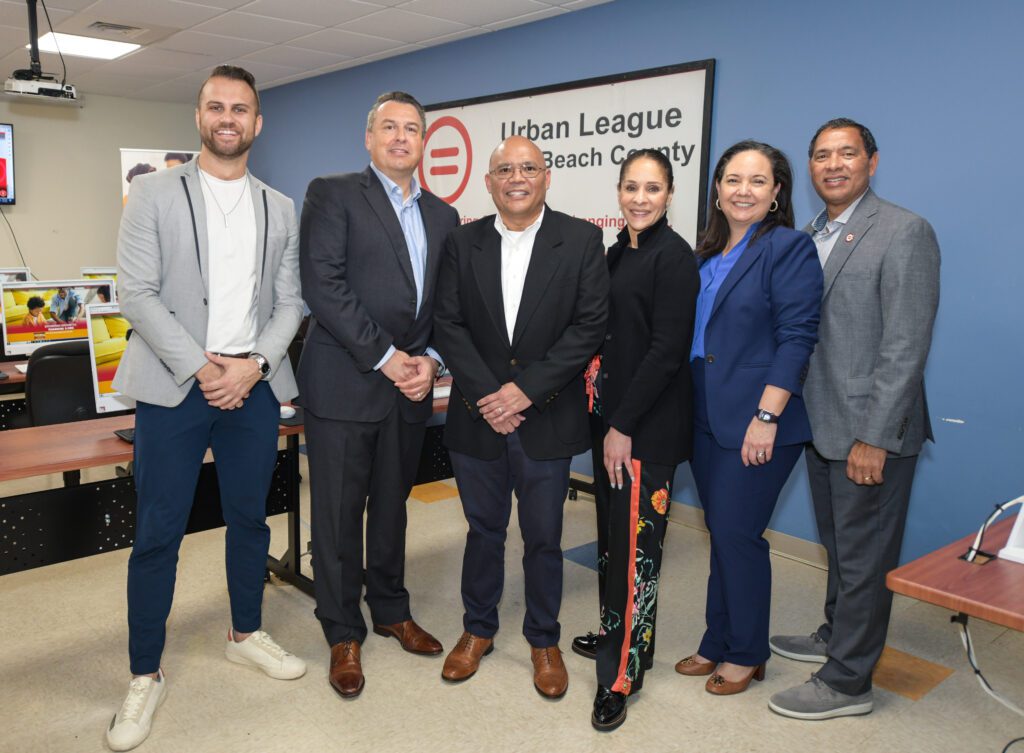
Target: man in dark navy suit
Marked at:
369, 253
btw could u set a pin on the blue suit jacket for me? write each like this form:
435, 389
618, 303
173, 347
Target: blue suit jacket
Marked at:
762, 330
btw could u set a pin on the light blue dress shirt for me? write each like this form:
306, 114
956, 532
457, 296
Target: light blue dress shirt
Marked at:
408, 212
712, 274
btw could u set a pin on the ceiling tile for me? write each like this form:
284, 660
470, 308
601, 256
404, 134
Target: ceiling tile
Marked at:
16, 14
249, 26
390, 53
179, 15
210, 44
71, 5
18, 60
295, 57
399, 24
317, 12
529, 18
179, 62
477, 13
577, 4
346, 43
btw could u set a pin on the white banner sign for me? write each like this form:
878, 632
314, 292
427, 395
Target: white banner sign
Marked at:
585, 130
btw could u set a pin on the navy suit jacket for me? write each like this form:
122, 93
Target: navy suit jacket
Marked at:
762, 330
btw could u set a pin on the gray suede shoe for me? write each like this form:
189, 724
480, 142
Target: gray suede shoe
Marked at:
815, 700
800, 647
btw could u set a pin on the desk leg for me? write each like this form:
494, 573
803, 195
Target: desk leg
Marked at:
289, 567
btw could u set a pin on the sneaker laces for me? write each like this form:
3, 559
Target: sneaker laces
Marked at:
264, 641
133, 704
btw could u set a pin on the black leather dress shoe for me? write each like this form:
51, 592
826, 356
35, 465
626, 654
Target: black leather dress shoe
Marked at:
609, 710
585, 645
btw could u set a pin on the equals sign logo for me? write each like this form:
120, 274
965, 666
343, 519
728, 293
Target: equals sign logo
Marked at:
446, 152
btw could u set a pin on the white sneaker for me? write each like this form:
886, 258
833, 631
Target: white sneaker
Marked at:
131, 724
260, 650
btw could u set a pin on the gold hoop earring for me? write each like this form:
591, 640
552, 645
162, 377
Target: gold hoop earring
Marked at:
774, 207
718, 206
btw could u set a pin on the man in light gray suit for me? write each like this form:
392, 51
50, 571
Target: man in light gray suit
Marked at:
869, 417
208, 277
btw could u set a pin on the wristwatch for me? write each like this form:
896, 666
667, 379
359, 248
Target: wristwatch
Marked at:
262, 363
766, 416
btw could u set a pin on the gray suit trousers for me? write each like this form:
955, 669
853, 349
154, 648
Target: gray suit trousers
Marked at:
861, 528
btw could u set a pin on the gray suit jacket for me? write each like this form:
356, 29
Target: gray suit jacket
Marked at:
163, 284
866, 377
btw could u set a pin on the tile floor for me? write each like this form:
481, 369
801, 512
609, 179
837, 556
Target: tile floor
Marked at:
63, 665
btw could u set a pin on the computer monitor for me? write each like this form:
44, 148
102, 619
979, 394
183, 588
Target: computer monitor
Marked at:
108, 336
102, 273
6, 163
42, 312
14, 274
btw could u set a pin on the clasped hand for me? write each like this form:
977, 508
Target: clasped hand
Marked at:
412, 375
226, 382
503, 409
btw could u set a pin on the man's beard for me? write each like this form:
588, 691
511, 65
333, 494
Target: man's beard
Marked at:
210, 143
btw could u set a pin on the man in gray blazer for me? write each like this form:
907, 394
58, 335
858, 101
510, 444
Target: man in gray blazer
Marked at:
869, 416
208, 277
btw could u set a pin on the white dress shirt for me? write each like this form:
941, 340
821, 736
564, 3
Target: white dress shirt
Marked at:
516, 251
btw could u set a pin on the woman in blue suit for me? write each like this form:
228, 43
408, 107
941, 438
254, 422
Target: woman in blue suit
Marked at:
756, 326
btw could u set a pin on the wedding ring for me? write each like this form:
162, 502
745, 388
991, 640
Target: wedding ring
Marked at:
500, 410
867, 478
760, 453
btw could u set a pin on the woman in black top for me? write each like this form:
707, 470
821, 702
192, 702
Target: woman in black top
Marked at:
641, 425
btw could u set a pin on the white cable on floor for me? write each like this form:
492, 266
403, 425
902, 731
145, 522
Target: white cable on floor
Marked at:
969, 647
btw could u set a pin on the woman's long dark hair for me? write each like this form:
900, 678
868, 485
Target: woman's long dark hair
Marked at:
716, 233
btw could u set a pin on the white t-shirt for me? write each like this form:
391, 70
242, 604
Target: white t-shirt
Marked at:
231, 235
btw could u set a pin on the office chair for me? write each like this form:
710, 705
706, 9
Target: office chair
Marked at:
58, 390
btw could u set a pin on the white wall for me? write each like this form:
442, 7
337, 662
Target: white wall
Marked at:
67, 167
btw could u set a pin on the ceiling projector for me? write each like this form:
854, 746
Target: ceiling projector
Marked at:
41, 88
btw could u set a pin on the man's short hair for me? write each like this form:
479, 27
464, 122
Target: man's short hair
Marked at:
235, 73
866, 136
400, 97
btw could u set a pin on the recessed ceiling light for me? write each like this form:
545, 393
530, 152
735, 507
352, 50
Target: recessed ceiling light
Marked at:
85, 47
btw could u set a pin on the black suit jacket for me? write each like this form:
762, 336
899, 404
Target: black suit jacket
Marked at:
645, 388
560, 325
357, 281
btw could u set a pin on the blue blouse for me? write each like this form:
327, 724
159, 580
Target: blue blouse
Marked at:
712, 274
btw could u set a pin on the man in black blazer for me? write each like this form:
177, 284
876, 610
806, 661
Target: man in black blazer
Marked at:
522, 303
370, 250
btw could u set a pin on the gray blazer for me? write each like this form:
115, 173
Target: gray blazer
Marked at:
163, 284
866, 378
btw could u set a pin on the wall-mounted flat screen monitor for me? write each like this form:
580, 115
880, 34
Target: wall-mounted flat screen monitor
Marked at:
14, 274
42, 312
108, 336
6, 163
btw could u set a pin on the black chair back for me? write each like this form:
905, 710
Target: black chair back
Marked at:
58, 384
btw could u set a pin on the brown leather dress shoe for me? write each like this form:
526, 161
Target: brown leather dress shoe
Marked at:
549, 674
718, 685
464, 660
691, 667
413, 638
346, 675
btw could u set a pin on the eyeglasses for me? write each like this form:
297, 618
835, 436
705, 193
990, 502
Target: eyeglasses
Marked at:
528, 171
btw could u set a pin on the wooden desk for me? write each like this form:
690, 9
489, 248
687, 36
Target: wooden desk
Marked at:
56, 525
14, 375
993, 591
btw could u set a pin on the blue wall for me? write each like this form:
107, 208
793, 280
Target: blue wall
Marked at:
937, 82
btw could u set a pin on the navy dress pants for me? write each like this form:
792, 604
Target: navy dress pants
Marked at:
485, 487
169, 447
738, 502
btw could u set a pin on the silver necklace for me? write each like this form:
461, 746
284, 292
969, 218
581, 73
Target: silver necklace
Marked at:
245, 187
